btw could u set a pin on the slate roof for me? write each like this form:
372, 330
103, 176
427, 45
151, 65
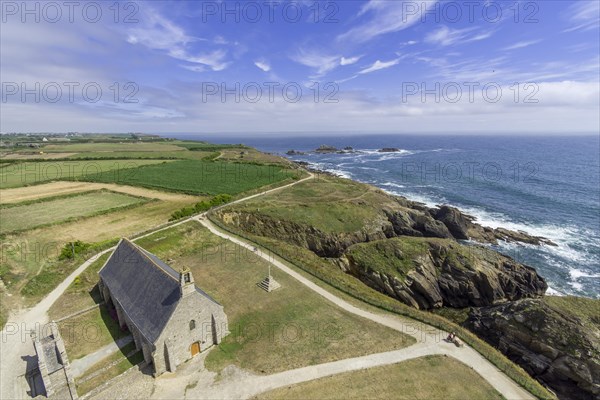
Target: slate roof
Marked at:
146, 288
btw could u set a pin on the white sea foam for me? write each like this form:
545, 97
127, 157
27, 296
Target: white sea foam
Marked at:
577, 273
392, 184
553, 292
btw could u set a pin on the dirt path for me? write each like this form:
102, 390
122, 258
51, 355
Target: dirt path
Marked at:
424, 334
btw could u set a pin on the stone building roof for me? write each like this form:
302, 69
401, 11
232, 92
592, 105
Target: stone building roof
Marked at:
147, 289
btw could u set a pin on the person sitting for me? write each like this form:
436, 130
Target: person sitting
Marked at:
450, 337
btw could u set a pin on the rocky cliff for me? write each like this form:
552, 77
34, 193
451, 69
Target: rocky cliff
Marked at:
433, 273
405, 218
557, 340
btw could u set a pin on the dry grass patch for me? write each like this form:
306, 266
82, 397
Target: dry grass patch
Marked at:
64, 208
60, 188
110, 147
36, 156
432, 377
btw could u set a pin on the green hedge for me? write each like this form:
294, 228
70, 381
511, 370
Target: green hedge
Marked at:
383, 302
202, 206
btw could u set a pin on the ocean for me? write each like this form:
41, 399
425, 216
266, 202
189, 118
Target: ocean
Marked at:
546, 186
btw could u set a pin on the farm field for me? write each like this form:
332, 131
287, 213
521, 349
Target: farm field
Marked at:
199, 177
27, 155
30, 267
288, 328
28, 173
110, 147
432, 377
51, 189
55, 210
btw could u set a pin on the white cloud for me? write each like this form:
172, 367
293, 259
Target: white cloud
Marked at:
445, 36
158, 33
263, 65
321, 63
194, 68
584, 15
520, 45
349, 61
378, 65
386, 16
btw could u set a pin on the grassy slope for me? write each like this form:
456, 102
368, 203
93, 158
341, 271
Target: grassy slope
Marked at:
394, 256
327, 203
432, 377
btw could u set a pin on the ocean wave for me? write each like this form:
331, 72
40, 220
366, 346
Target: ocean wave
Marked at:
392, 184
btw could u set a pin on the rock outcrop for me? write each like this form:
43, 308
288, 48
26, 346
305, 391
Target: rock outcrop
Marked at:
326, 149
558, 345
324, 244
407, 218
461, 226
433, 273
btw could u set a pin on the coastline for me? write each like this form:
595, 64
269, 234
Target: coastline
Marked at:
313, 167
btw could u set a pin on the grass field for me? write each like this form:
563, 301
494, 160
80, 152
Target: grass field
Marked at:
288, 328
433, 377
29, 173
198, 177
51, 189
52, 211
326, 203
87, 332
30, 268
110, 147
81, 294
110, 367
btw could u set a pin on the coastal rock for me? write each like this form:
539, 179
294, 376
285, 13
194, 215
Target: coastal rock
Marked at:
523, 237
457, 223
433, 273
326, 149
295, 153
462, 227
388, 150
556, 340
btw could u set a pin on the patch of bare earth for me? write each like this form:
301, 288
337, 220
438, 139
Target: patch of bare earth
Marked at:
60, 188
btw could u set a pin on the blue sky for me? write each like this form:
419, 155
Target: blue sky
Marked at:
347, 66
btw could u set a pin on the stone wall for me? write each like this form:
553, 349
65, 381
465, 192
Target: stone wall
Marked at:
174, 345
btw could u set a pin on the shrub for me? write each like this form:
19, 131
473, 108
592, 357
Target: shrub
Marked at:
202, 206
71, 249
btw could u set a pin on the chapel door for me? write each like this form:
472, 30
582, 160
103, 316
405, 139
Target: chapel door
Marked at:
195, 348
